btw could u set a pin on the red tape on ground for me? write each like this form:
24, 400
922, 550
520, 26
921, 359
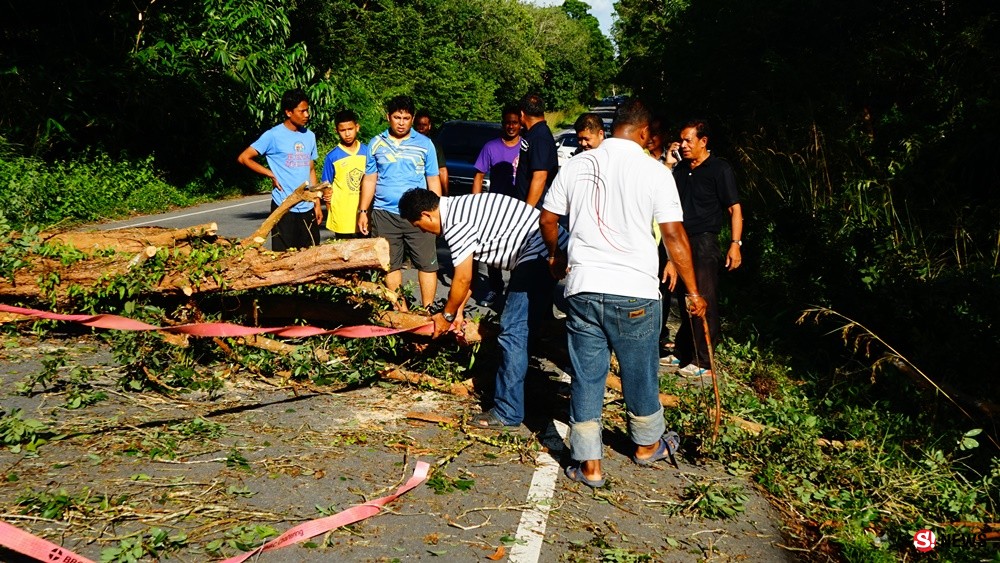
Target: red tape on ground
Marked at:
354, 514
220, 330
35, 547
43, 550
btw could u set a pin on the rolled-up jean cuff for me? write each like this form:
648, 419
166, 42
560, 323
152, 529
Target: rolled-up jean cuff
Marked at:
585, 440
646, 430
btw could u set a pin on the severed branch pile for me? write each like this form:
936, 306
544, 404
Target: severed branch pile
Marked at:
195, 261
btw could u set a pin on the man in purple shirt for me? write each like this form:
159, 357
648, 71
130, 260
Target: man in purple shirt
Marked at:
499, 159
499, 156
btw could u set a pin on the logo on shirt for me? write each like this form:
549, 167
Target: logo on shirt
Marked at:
299, 147
354, 179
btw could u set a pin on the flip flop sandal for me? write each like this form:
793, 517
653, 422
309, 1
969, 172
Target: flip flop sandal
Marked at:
490, 421
666, 447
575, 473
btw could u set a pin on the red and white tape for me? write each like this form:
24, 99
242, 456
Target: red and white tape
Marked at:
42, 550
220, 330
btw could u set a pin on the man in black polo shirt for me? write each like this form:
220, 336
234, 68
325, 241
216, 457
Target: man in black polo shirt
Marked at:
538, 163
707, 187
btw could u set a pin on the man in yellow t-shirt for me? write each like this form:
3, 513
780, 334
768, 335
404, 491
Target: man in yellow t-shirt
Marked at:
344, 167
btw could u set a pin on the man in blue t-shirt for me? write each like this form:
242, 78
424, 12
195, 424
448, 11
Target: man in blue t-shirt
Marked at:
290, 150
400, 159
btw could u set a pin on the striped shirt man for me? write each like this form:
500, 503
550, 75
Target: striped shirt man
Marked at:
495, 229
501, 231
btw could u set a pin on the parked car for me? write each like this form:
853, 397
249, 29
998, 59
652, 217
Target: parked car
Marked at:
566, 145
461, 142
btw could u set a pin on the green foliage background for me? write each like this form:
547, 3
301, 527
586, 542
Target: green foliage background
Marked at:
193, 82
865, 137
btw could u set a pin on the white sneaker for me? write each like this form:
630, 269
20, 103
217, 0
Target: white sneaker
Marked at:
670, 360
692, 370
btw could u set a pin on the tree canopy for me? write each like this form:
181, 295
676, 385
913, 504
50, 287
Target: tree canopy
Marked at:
193, 81
866, 139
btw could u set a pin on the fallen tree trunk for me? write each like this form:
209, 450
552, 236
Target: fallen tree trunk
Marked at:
256, 268
249, 269
131, 240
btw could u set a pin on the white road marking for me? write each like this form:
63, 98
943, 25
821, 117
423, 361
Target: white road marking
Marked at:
531, 529
255, 201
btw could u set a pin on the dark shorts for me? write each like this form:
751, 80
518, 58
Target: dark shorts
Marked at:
294, 230
405, 240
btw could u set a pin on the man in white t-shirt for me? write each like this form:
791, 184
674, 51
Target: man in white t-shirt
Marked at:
612, 194
502, 232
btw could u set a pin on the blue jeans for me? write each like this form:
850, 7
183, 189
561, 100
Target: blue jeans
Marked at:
598, 323
529, 292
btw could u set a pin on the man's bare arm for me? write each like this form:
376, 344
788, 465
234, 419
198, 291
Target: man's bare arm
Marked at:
548, 224
675, 237
443, 175
365, 202
734, 256
458, 295
317, 206
433, 184
247, 158
537, 187
477, 182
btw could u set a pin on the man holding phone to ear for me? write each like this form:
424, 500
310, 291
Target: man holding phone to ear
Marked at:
707, 187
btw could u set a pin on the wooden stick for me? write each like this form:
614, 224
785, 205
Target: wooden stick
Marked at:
432, 417
141, 257
462, 389
302, 193
472, 332
278, 347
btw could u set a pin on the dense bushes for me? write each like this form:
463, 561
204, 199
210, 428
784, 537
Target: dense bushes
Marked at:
865, 140
83, 190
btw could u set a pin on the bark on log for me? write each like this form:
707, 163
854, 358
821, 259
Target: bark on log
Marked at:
131, 240
461, 389
472, 331
254, 269
316, 264
278, 347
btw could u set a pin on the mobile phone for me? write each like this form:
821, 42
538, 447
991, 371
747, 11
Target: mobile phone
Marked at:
676, 154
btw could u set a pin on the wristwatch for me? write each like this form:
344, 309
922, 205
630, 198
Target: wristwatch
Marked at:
448, 316
737, 242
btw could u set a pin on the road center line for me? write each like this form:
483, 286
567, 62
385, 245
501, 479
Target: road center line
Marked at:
192, 214
531, 529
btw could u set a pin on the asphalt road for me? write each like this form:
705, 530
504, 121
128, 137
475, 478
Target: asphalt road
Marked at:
237, 218
540, 514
